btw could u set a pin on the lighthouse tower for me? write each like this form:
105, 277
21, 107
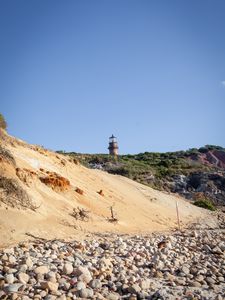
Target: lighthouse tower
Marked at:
113, 146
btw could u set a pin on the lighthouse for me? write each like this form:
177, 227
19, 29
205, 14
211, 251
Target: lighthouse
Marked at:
113, 146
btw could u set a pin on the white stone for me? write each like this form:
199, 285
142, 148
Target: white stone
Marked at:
41, 270
12, 259
67, 268
10, 278
29, 262
51, 286
81, 285
23, 278
83, 274
86, 293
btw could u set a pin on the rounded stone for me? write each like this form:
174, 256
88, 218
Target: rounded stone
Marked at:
68, 268
9, 278
41, 270
134, 289
14, 296
13, 288
145, 284
95, 284
210, 280
113, 296
83, 274
195, 284
185, 270
12, 259
23, 278
29, 262
86, 293
51, 286
81, 285
199, 278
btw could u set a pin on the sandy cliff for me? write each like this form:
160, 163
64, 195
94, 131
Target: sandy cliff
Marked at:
38, 194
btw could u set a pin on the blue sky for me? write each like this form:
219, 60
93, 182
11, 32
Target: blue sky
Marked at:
152, 72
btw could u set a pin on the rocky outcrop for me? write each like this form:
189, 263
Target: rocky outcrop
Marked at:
211, 185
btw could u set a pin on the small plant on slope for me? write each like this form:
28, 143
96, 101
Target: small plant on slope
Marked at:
205, 203
3, 123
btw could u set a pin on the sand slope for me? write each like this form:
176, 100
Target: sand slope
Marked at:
139, 208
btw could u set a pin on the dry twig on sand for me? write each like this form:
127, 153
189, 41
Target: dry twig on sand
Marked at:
80, 214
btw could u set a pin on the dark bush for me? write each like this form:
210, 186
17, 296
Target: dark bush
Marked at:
12, 194
6, 155
203, 150
213, 147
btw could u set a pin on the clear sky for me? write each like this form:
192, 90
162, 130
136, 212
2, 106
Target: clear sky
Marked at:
152, 72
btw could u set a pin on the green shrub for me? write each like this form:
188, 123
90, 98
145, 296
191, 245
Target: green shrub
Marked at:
205, 203
3, 123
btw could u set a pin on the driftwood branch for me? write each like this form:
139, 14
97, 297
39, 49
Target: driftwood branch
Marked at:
113, 218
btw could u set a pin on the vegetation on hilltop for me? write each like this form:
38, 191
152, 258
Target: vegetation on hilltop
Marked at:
160, 165
184, 172
3, 123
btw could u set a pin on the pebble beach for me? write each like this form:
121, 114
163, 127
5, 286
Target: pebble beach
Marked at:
178, 265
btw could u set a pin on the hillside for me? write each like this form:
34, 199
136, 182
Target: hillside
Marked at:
39, 190
194, 174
